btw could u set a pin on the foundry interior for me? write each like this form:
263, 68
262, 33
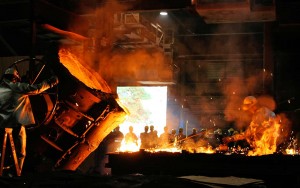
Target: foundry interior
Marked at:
180, 68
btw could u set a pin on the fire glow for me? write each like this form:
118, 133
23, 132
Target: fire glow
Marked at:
129, 147
265, 143
147, 106
263, 140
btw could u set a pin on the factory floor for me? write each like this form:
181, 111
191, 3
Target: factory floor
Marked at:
86, 178
66, 179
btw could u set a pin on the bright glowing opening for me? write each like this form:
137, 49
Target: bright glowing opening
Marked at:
163, 13
147, 106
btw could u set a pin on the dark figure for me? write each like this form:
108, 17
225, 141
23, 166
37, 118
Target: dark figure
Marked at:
165, 138
191, 141
153, 137
131, 137
217, 138
144, 136
111, 143
180, 137
15, 107
231, 133
115, 137
173, 137
194, 136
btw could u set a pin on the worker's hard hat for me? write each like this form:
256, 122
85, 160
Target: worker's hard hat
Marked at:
248, 102
12, 71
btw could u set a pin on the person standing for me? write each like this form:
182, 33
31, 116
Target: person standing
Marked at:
180, 137
115, 137
194, 135
144, 136
153, 137
111, 143
173, 137
165, 138
15, 107
130, 137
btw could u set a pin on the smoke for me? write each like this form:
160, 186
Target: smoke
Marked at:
99, 19
104, 30
139, 65
236, 76
230, 71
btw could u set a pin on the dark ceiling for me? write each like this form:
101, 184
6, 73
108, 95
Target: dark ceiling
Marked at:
22, 21
22, 32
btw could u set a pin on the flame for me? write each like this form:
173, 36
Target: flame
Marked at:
208, 149
173, 148
133, 147
292, 148
264, 138
169, 149
129, 146
201, 149
291, 151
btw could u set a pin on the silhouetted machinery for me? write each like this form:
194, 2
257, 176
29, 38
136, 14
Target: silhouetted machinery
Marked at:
72, 121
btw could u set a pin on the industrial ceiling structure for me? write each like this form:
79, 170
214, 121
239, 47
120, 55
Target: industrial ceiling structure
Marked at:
22, 20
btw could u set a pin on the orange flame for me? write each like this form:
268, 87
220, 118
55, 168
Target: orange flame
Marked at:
208, 149
291, 151
173, 148
169, 149
264, 138
129, 146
